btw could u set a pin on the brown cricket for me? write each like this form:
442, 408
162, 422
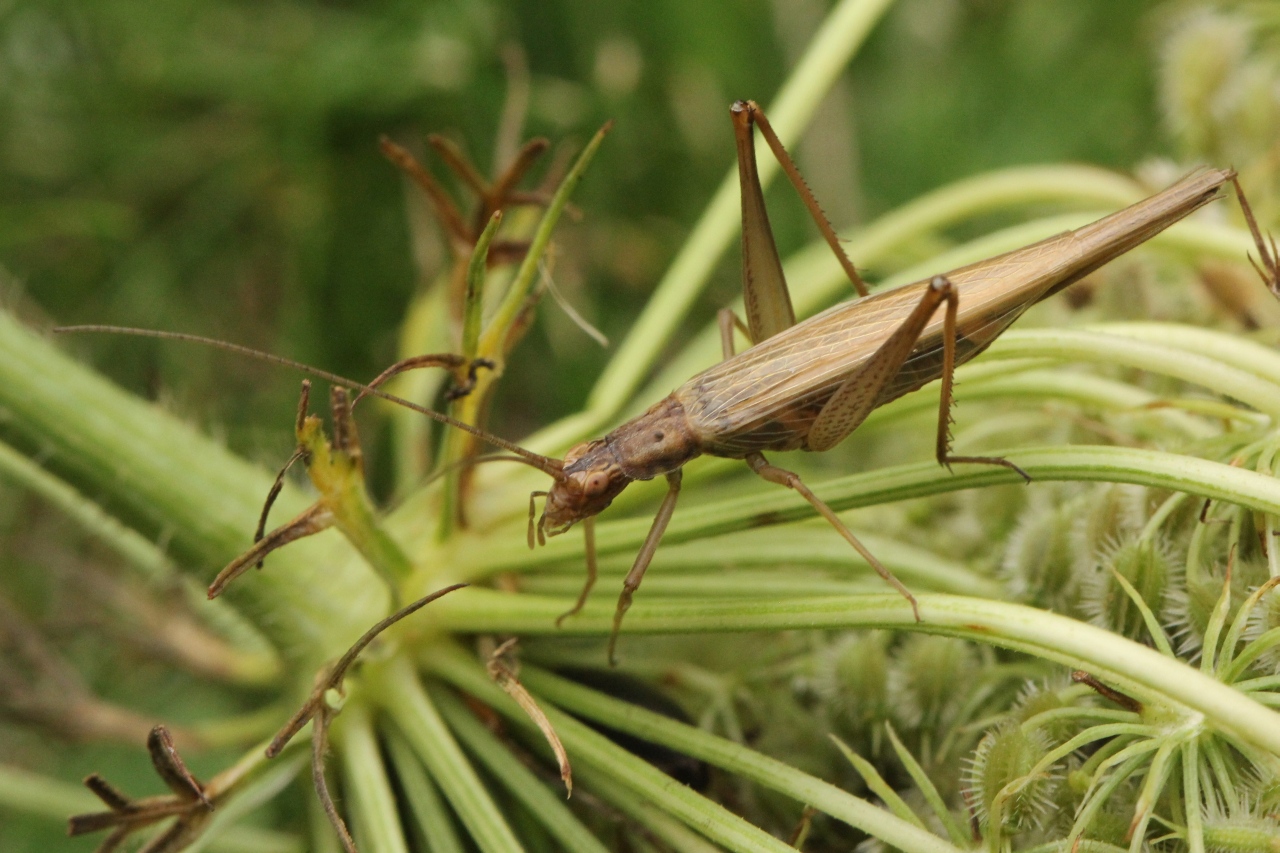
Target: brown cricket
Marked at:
807, 385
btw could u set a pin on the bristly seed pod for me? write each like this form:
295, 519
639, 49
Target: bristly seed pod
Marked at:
930, 679
1040, 558
851, 675
997, 782
1188, 606
1148, 565
1244, 826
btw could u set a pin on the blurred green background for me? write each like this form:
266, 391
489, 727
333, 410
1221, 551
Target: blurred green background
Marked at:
212, 167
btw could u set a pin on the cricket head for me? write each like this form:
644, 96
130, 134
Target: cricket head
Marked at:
591, 479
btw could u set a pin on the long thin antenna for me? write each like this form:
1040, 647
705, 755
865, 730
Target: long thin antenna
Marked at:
551, 467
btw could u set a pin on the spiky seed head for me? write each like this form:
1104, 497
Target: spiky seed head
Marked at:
1148, 564
852, 676
930, 679
998, 781
1040, 557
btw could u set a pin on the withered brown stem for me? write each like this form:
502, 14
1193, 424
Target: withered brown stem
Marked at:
317, 709
1123, 700
190, 802
505, 672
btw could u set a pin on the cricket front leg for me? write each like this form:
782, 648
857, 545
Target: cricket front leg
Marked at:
641, 565
593, 570
791, 480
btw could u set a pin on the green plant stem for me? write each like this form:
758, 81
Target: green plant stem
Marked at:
769, 772
586, 746
255, 665
809, 546
544, 804
771, 505
1132, 668
1191, 796
1230, 349
493, 338
652, 819
268, 780
1077, 345
167, 480
398, 689
371, 803
421, 794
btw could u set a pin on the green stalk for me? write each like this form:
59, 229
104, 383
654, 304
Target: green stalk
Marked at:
165, 479
1191, 795
421, 794
649, 817
809, 545
398, 689
587, 746
770, 505
250, 662
544, 804
495, 331
1179, 362
896, 831
371, 803
1133, 668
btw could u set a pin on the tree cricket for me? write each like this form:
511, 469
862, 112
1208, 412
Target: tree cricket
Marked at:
808, 385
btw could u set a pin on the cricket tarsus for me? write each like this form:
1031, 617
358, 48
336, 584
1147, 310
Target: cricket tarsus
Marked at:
593, 569
1268, 263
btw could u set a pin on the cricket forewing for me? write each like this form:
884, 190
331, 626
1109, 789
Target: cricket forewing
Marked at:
766, 397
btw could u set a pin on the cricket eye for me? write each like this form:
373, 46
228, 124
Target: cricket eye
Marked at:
595, 483
659, 436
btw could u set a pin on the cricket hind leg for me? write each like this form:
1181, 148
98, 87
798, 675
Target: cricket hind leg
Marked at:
791, 480
765, 295
860, 393
752, 114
